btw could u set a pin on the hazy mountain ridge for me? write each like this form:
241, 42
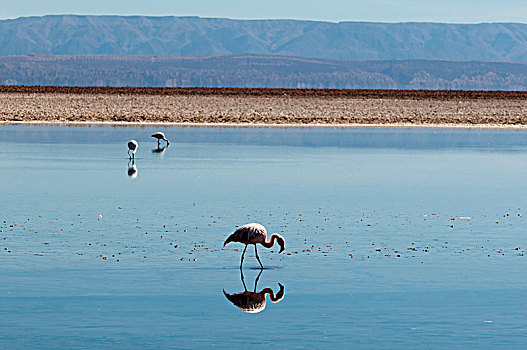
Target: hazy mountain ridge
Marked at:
259, 71
194, 36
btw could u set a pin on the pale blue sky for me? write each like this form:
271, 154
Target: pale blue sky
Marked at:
456, 11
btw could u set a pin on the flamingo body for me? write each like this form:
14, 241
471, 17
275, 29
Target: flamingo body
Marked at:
253, 234
132, 146
249, 234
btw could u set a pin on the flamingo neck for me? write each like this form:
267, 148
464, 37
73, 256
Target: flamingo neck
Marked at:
271, 241
270, 292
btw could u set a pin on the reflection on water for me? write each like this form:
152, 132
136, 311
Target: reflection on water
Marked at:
160, 150
254, 302
132, 169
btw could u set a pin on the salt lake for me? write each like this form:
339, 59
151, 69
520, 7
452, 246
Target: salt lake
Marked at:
395, 238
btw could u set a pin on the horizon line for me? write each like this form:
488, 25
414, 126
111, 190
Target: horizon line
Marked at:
257, 19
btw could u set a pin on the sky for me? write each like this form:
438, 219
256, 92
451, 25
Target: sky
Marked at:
452, 11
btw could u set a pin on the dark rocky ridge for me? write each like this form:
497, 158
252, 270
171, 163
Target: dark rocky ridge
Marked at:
259, 71
370, 94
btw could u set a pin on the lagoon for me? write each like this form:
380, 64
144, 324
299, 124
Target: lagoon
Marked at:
395, 238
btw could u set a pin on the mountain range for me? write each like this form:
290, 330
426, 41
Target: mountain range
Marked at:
195, 36
214, 52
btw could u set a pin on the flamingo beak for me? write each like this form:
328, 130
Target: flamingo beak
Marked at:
282, 248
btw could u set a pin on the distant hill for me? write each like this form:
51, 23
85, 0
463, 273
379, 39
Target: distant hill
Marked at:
193, 36
259, 71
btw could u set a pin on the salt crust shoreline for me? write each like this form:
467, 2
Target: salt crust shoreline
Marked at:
223, 107
262, 125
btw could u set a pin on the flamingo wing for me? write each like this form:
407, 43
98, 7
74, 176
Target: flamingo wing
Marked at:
253, 233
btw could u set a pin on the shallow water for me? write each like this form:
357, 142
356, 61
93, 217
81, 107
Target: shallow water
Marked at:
395, 238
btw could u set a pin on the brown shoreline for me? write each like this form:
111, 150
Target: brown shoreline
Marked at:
251, 106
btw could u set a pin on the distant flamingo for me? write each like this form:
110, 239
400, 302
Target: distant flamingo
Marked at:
132, 146
253, 234
253, 302
160, 136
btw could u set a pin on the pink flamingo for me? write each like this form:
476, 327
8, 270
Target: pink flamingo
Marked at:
253, 234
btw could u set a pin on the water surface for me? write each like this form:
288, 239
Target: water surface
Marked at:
395, 238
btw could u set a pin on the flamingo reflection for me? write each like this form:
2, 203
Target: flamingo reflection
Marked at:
254, 302
160, 150
132, 169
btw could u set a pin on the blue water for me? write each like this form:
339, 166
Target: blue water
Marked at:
395, 238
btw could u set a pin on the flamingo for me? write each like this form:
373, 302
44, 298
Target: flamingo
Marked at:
253, 302
160, 136
253, 234
132, 146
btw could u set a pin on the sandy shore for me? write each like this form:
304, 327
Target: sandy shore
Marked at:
282, 107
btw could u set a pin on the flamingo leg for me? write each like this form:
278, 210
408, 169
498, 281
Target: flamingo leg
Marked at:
243, 280
243, 255
256, 280
257, 257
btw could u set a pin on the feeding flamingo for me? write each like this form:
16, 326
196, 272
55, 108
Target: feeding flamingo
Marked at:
160, 136
253, 302
253, 234
132, 146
